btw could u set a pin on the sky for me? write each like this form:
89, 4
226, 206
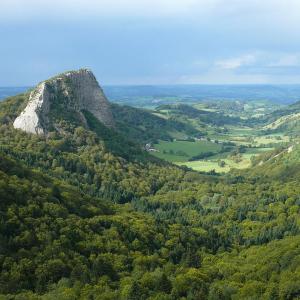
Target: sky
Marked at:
151, 41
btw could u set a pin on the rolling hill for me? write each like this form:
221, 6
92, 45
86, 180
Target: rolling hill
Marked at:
86, 214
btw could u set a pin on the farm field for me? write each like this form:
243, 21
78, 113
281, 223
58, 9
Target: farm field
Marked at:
222, 143
271, 139
244, 136
210, 165
182, 151
213, 164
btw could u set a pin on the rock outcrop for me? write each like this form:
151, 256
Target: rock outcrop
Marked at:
70, 93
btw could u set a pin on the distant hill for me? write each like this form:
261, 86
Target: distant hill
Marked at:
85, 213
145, 126
154, 95
285, 120
204, 116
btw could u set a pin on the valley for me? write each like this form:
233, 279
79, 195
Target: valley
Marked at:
107, 201
204, 135
222, 140
150, 150
236, 149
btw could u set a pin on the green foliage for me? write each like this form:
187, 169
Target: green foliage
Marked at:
114, 141
142, 126
207, 117
87, 215
11, 107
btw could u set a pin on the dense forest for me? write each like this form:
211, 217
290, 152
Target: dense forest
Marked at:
87, 214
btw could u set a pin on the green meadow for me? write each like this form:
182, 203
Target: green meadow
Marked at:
182, 151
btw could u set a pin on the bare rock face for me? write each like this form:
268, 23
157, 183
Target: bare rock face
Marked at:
67, 95
30, 119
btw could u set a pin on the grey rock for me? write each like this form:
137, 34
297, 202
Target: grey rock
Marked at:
73, 91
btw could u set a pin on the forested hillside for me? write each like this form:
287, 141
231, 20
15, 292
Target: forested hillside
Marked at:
204, 116
144, 126
87, 214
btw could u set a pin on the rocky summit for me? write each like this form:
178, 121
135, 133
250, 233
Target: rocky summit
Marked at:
66, 96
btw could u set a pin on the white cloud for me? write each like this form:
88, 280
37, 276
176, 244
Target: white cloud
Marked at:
252, 67
259, 59
287, 60
236, 62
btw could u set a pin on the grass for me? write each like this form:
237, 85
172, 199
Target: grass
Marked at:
182, 151
204, 166
254, 151
189, 148
212, 164
271, 139
177, 135
209, 165
242, 131
247, 136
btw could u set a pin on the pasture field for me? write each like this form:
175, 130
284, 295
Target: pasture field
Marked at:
213, 164
235, 145
205, 166
209, 165
245, 136
271, 139
182, 151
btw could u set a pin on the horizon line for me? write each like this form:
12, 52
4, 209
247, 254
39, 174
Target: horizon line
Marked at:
168, 84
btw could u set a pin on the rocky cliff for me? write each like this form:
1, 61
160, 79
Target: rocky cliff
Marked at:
64, 97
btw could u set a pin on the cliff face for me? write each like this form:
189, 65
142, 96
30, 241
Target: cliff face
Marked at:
61, 97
